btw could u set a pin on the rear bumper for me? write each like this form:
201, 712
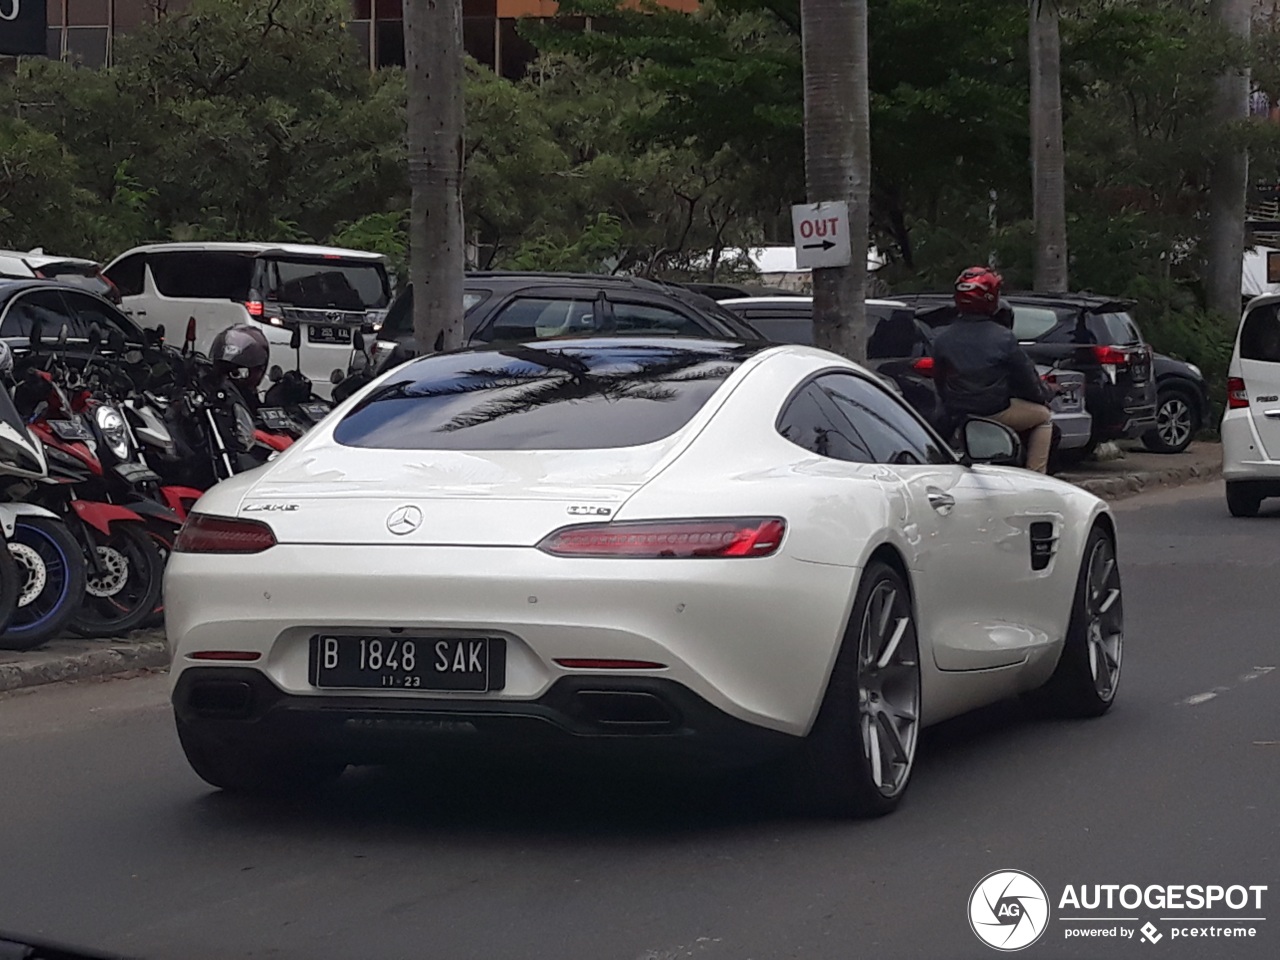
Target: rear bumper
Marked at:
1075, 429
1243, 456
579, 717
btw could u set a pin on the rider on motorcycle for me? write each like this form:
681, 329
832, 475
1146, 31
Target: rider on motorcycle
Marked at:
982, 371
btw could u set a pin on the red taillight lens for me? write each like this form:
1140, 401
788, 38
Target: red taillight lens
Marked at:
1237, 395
727, 537
203, 533
256, 308
923, 366
1110, 355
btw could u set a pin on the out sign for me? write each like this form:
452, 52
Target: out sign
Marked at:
821, 232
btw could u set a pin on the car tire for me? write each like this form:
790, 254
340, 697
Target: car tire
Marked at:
1088, 673
1177, 419
257, 773
870, 714
1243, 499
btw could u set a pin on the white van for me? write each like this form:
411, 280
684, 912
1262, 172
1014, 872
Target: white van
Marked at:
1251, 423
327, 292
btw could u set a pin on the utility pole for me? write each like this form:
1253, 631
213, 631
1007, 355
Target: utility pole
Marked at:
436, 118
837, 153
1048, 176
1229, 180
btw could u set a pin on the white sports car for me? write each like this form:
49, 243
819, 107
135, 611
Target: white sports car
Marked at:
670, 546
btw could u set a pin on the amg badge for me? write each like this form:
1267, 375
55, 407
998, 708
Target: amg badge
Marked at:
589, 511
271, 507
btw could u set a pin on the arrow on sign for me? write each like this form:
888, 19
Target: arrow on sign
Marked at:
824, 245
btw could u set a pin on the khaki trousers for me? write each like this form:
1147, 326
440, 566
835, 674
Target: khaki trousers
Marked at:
1033, 418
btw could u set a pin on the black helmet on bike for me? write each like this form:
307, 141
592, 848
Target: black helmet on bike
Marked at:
241, 353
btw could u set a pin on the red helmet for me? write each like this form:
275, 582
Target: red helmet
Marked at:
978, 291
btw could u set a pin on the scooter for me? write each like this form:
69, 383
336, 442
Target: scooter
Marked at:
42, 572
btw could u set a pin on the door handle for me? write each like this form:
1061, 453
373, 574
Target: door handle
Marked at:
1271, 414
942, 502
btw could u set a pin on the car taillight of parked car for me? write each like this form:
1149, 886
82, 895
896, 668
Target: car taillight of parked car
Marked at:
924, 366
1111, 356
1237, 395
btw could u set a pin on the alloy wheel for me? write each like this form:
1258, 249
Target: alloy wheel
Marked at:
1173, 421
888, 687
1105, 612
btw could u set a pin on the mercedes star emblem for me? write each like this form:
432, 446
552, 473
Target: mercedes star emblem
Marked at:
404, 520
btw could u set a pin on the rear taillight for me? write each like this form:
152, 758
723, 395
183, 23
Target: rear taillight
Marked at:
721, 537
1237, 395
923, 366
203, 533
256, 308
1111, 356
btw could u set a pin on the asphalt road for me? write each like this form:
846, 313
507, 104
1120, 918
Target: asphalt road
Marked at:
110, 841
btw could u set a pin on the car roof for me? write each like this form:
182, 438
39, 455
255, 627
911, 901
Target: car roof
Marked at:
257, 249
802, 301
601, 344
1093, 303
41, 259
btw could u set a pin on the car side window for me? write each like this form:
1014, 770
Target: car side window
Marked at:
196, 275
888, 429
652, 318
534, 318
809, 421
127, 275
1260, 334
44, 305
89, 311
783, 329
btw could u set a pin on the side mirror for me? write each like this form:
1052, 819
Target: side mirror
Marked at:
360, 362
275, 374
985, 441
295, 338
357, 341
336, 377
95, 337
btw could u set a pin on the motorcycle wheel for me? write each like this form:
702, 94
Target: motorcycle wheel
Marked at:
51, 581
125, 593
10, 575
162, 535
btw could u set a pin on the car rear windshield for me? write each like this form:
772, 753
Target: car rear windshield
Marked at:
399, 319
326, 283
1260, 334
562, 397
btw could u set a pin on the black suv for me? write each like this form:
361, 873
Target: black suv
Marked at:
519, 307
1090, 334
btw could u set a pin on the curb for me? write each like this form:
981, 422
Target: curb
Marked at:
118, 657
1131, 484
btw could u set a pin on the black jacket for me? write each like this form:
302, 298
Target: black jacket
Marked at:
979, 367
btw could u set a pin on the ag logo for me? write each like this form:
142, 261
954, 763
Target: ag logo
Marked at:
1008, 910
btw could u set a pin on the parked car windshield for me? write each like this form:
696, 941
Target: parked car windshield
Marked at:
333, 283
569, 396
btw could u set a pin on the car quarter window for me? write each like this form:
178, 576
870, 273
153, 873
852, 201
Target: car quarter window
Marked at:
629, 317
886, 427
532, 318
45, 306
127, 275
89, 310
808, 420
1260, 334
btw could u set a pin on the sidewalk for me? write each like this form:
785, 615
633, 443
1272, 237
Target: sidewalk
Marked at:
78, 659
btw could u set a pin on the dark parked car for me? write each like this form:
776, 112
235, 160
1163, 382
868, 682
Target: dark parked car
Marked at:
55, 304
1182, 405
898, 348
528, 306
1093, 335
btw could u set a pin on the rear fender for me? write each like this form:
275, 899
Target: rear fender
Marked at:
150, 510
9, 513
275, 441
100, 516
181, 499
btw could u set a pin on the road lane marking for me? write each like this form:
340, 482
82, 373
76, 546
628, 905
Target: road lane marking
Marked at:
1198, 698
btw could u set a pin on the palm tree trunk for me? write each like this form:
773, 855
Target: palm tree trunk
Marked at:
1048, 176
1229, 180
433, 62
837, 150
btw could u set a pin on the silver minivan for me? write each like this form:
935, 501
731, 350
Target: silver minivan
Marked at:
328, 293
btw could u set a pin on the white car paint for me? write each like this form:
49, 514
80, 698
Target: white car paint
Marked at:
755, 637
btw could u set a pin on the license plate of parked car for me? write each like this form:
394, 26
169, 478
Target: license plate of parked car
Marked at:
329, 334
474, 664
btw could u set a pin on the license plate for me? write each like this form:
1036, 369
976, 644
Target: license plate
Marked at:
468, 664
135, 473
274, 418
329, 334
316, 411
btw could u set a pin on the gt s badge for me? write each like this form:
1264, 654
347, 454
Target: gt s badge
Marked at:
271, 507
589, 511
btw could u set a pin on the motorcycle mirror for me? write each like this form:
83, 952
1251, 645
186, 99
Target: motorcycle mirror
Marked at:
116, 341
95, 337
336, 377
159, 332
357, 340
37, 334
275, 374
62, 336
360, 362
191, 331
295, 339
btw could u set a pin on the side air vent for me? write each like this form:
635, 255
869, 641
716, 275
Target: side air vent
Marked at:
1044, 543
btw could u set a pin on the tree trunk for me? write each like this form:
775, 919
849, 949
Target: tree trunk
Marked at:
837, 152
433, 62
1048, 177
1229, 180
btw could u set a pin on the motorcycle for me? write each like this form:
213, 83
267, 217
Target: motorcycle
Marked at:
291, 406
42, 571
124, 567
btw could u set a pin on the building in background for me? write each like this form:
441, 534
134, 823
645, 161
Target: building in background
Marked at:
83, 31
